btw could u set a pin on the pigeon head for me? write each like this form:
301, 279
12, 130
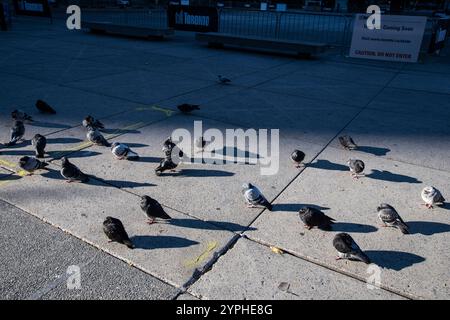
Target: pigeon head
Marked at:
383, 206
108, 219
14, 112
302, 211
64, 161
24, 160
115, 144
428, 190
145, 200
247, 186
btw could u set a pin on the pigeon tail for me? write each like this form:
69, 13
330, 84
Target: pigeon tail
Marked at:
128, 243
361, 256
403, 227
43, 165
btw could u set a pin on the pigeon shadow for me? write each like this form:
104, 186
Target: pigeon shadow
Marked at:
147, 159
119, 131
20, 144
136, 145
235, 152
72, 154
353, 227
212, 161
427, 228
49, 125
209, 225
52, 174
161, 242
395, 260
389, 176
327, 165
374, 150
295, 207
197, 173
17, 152
117, 183
63, 140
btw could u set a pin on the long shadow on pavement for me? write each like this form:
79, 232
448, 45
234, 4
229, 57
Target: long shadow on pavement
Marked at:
210, 225
389, 176
395, 260
327, 165
374, 150
427, 228
160, 242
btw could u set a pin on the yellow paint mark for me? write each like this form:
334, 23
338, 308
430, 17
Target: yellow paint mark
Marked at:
168, 112
276, 250
8, 164
210, 247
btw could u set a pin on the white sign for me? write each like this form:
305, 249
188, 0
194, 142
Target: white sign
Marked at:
184, 2
263, 6
398, 39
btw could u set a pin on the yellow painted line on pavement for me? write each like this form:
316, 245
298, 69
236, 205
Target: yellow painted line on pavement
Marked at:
13, 166
210, 247
167, 112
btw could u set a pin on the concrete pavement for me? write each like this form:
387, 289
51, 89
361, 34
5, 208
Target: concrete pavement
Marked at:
215, 247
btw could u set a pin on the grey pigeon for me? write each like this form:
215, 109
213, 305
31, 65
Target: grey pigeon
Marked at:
31, 164
348, 249
44, 107
96, 137
166, 163
17, 132
39, 142
21, 116
313, 217
122, 151
115, 231
356, 167
389, 217
347, 142
254, 197
71, 172
432, 196
188, 108
223, 80
153, 209
297, 157
89, 121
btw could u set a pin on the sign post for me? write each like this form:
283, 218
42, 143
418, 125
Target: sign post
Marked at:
399, 38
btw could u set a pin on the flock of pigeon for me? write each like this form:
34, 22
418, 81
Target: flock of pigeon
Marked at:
113, 227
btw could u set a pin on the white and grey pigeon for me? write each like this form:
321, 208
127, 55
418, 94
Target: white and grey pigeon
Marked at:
347, 142
297, 157
96, 137
432, 196
254, 197
356, 167
168, 145
122, 151
223, 80
17, 132
31, 164
348, 249
389, 217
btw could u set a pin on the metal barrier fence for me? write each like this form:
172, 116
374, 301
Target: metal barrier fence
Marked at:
330, 28
151, 18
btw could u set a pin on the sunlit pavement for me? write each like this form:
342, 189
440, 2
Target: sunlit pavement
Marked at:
215, 247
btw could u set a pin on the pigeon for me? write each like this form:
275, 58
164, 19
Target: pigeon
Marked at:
389, 217
348, 249
297, 157
168, 145
254, 197
30, 164
188, 108
166, 164
356, 167
432, 196
17, 132
347, 142
96, 137
122, 151
115, 231
21, 116
43, 107
39, 142
313, 217
71, 172
153, 209
89, 121
223, 80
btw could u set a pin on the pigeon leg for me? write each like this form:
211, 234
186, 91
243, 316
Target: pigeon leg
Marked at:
308, 227
109, 241
69, 181
337, 258
151, 221
251, 206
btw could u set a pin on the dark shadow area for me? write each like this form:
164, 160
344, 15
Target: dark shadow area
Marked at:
9, 177
395, 260
427, 228
374, 150
215, 161
327, 165
147, 159
198, 173
117, 183
63, 140
17, 152
352, 227
72, 154
52, 174
119, 131
161, 242
135, 145
295, 207
233, 151
49, 125
389, 176
19, 144
209, 225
